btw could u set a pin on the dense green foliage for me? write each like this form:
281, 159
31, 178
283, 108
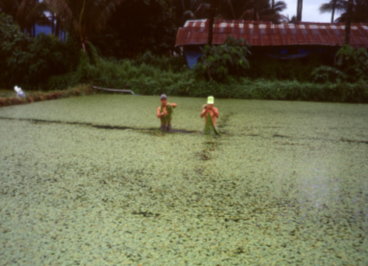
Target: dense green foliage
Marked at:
31, 61
221, 62
324, 74
82, 19
266, 67
351, 65
225, 71
148, 79
40, 63
13, 54
353, 62
137, 27
25, 13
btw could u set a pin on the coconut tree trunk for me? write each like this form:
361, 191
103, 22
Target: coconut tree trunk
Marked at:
348, 22
53, 30
299, 11
211, 20
333, 11
81, 22
231, 6
57, 27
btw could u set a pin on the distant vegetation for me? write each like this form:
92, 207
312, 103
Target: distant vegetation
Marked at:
117, 56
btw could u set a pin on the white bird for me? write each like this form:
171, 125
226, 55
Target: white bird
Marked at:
19, 91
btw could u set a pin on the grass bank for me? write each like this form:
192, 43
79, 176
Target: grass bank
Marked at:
8, 97
147, 79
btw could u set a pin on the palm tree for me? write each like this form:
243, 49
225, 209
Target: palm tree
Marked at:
83, 18
299, 11
359, 10
191, 9
348, 22
231, 9
333, 6
253, 10
26, 13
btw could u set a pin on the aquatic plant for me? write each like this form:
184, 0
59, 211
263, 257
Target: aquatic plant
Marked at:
91, 180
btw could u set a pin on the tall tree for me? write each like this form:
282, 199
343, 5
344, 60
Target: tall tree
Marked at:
26, 13
83, 18
234, 9
191, 9
299, 10
137, 26
348, 22
359, 10
333, 6
333, 10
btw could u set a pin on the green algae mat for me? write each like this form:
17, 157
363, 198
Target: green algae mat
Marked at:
91, 181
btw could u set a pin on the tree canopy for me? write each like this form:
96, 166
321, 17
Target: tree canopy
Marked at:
26, 13
359, 11
127, 28
83, 18
116, 27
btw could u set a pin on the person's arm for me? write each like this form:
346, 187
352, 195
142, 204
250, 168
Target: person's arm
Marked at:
204, 111
173, 105
160, 114
216, 112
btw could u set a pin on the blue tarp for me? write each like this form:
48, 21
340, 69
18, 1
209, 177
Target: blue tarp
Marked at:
45, 29
192, 56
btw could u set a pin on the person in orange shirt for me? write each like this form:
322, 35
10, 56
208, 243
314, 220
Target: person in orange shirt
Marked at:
164, 113
211, 113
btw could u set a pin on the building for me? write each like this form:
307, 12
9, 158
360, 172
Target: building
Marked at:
283, 41
49, 27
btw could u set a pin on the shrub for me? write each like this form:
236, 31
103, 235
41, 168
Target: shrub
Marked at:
168, 63
13, 52
325, 74
266, 67
30, 62
220, 62
144, 78
49, 57
353, 62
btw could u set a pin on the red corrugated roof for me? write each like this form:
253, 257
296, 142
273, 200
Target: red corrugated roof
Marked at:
256, 33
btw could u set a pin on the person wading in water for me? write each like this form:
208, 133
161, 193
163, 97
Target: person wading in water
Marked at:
164, 113
211, 113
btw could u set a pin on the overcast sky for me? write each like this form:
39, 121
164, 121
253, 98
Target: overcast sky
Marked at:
310, 10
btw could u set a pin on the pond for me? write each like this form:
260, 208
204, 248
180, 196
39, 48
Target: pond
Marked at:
90, 180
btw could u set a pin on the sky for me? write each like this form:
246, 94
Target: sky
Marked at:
310, 10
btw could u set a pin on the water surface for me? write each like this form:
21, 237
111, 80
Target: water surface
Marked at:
89, 180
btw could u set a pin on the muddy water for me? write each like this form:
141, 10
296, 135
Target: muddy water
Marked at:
91, 181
